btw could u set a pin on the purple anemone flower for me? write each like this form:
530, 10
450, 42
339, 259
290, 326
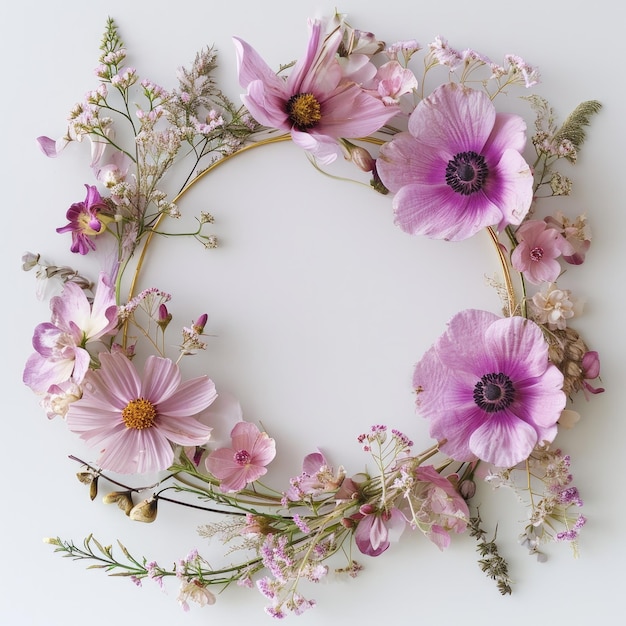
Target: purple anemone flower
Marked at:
315, 103
488, 388
459, 168
86, 221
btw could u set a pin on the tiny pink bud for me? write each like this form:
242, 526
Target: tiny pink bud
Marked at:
200, 323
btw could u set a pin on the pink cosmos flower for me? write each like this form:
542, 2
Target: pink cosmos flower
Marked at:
134, 420
488, 388
538, 249
315, 103
60, 353
244, 462
459, 168
86, 220
376, 529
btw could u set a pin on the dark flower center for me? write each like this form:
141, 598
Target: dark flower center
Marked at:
466, 173
494, 392
139, 414
304, 111
242, 457
536, 254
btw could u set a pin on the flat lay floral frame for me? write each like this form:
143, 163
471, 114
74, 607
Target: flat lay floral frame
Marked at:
533, 360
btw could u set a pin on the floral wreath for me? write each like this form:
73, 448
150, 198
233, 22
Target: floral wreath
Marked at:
494, 387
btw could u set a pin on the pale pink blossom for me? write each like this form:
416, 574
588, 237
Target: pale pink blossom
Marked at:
245, 460
539, 247
393, 81
60, 345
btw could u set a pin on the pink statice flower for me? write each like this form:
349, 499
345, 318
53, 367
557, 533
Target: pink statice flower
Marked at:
488, 389
442, 509
376, 529
245, 460
133, 420
87, 220
315, 103
538, 250
458, 169
60, 345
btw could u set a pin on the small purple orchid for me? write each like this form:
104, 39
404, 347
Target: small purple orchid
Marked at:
459, 168
60, 353
488, 389
86, 220
316, 103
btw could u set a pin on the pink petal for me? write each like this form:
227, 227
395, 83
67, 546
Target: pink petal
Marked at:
454, 118
517, 347
504, 440
508, 133
119, 379
251, 67
185, 431
513, 189
191, 397
161, 378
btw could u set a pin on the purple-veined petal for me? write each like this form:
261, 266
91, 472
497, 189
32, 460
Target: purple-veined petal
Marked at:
504, 440
454, 118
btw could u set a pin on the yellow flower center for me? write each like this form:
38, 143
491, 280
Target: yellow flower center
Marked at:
304, 110
139, 414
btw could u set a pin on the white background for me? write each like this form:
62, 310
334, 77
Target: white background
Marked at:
319, 306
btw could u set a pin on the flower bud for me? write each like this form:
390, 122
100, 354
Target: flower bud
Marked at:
145, 511
164, 317
123, 499
200, 323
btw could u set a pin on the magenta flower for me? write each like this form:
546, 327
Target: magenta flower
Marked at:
315, 103
376, 529
488, 388
60, 353
459, 168
86, 220
245, 461
133, 421
538, 249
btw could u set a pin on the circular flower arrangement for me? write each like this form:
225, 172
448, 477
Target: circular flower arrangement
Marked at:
494, 388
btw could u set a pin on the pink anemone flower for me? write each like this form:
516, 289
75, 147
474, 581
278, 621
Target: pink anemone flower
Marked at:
251, 450
86, 220
135, 420
459, 168
315, 103
489, 390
